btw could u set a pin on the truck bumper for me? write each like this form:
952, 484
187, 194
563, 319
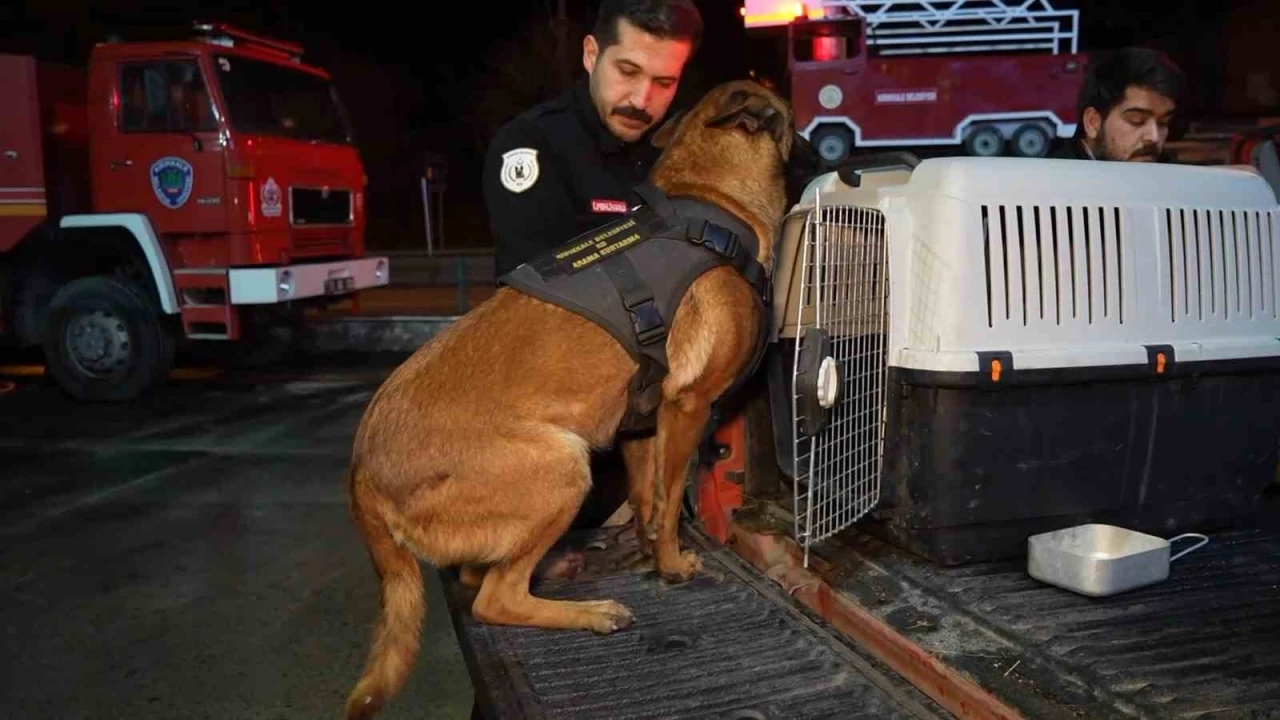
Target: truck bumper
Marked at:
282, 283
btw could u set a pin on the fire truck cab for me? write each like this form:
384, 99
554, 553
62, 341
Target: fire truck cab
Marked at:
199, 188
994, 77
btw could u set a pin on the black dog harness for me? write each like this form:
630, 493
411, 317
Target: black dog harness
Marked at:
629, 276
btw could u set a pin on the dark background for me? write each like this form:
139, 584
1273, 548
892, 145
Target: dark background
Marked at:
440, 77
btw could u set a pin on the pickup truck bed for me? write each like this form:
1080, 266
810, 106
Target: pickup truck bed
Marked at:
1205, 643
728, 644
985, 639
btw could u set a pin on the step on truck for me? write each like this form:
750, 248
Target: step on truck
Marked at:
987, 77
206, 188
1012, 453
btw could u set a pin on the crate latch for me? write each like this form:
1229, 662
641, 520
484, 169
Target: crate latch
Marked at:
1160, 359
994, 367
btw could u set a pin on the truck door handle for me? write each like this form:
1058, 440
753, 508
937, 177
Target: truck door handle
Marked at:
11, 154
116, 163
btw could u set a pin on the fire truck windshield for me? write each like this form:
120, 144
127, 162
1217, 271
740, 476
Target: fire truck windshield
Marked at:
269, 99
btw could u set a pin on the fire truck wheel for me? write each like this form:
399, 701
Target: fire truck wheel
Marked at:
1031, 141
104, 340
832, 142
984, 141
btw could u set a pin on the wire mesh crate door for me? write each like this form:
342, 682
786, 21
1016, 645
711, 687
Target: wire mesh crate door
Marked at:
844, 294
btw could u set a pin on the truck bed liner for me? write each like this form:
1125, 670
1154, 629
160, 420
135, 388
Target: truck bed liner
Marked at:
1203, 644
727, 644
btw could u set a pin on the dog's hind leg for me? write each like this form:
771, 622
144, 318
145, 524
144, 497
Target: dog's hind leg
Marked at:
638, 454
560, 483
680, 424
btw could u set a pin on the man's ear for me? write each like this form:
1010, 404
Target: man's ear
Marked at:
662, 137
590, 53
1092, 120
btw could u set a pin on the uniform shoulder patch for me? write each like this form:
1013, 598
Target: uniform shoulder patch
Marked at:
519, 169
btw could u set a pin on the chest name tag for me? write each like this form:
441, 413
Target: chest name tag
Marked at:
608, 206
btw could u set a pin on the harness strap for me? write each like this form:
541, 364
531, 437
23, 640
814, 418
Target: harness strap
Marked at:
653, 197
650, 329
647, 322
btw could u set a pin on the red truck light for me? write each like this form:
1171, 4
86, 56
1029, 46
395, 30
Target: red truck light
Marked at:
775, 13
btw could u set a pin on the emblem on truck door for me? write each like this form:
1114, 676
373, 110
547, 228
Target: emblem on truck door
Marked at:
171, 180
271, 198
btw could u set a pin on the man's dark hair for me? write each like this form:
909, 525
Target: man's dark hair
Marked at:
1106, 80
667, 19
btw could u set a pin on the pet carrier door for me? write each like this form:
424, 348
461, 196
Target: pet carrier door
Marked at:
838, 390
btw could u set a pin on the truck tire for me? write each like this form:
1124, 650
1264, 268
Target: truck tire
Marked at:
984, 141
1030, 141
832, 142
104, 340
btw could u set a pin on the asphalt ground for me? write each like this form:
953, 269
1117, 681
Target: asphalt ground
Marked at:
190, 555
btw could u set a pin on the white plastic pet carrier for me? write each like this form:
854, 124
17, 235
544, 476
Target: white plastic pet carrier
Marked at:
984, 346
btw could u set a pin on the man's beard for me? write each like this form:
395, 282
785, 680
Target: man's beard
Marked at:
1146, 150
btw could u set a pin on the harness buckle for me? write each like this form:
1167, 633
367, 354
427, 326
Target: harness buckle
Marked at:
646, 320
720, 239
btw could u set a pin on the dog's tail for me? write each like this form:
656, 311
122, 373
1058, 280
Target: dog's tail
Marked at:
397, 634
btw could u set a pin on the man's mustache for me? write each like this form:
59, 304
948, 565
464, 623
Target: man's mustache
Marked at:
1146, 151
633, 113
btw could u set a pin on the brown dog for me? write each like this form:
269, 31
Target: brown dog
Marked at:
475, 452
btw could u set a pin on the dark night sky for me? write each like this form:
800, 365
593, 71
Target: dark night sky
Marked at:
428, 84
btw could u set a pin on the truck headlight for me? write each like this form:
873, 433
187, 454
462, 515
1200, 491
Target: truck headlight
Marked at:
380, 270
286, 283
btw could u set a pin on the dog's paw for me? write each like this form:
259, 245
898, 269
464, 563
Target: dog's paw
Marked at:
682, 568
608, 616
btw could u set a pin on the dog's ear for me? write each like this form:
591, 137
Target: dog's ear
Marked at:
752, 112
662, 136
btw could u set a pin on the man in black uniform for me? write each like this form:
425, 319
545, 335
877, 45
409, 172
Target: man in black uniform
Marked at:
1126, 104
568, 165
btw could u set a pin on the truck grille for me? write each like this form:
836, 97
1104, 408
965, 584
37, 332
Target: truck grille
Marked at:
318, 242
315, 206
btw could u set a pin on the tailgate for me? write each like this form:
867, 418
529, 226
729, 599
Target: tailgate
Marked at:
728, 644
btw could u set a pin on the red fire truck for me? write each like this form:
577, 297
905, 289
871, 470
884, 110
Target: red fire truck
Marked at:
992, 76
205, 188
